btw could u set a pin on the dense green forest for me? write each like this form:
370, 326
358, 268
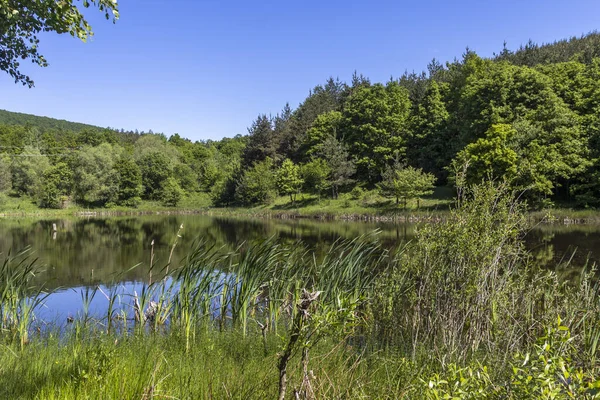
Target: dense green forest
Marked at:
530, 116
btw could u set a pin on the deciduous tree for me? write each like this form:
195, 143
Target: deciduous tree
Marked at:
314, 174
289, 180
406, 183
129, 177
257, 185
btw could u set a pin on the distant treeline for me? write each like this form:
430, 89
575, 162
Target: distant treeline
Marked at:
531, 117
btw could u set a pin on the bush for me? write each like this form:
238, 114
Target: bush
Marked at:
222, 193
547, 372
357, 193
171, 193
257, 185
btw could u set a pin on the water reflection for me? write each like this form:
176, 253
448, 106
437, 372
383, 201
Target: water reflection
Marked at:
88, 252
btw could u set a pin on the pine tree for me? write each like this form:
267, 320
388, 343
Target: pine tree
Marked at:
262, 142
341, 168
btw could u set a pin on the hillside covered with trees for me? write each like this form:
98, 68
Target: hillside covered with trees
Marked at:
531, 117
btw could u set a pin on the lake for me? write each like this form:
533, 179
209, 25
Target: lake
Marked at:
88, 252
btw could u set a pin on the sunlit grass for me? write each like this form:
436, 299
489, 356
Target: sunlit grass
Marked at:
220, 365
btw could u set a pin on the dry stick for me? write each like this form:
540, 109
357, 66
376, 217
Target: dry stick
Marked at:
151, 262
309, 393
263, 329
306, 299
137, 309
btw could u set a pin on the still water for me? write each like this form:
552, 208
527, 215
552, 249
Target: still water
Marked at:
102, 251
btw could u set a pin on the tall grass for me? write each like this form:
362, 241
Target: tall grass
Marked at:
18, 296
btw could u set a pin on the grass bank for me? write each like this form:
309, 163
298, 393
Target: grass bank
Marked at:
368, 206
25, 207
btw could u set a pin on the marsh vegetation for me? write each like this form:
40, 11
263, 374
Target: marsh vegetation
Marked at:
460, 311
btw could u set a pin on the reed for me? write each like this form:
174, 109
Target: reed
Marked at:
19, 298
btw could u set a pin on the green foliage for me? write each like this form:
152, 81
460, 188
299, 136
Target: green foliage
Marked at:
209, 174
13, 139
171, 193
129, 177
45, 124
428, 144
462, 383
95, 179
186, 177
95, 137
440, 290
27, 171
375, 120
315, 174
223, 193
340, 167
490, 157
548, 372
357, 193
56, 186
548, 137
257, 185
405, 183
324, 126
156, 169
262, 142
289, 180
5, 175
584, 48
24, 21
530, 117
321, 100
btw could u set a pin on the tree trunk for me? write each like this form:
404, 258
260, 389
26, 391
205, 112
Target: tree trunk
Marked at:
306, 299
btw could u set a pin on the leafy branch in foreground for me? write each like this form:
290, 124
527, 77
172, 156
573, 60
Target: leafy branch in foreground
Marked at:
22, 21
547, 372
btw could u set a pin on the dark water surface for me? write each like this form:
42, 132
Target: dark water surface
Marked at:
101, 251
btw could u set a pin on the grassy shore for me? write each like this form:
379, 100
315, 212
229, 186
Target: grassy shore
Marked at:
22, 207
367, 206
370, 206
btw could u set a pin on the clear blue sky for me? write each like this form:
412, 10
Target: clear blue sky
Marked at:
206, 69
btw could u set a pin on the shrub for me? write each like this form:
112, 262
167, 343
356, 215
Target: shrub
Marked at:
171, 193
357, 193
257, 185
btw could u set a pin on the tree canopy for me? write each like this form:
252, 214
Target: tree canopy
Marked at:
529, 117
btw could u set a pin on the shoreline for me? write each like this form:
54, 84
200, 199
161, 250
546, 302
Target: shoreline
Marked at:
552, 216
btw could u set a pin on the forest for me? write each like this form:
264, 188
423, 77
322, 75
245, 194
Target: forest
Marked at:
529, 117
